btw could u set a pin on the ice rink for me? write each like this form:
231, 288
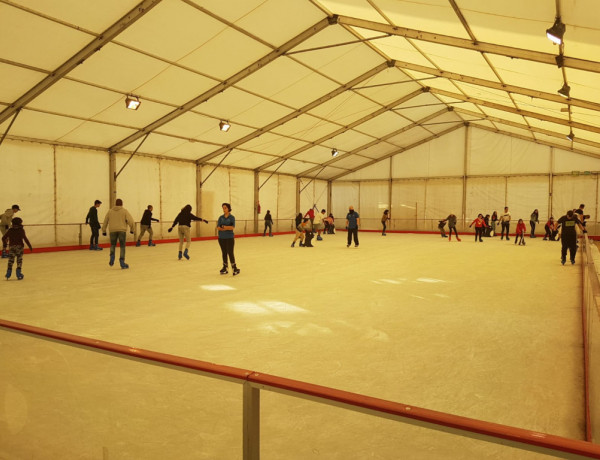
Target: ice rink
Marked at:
485, 330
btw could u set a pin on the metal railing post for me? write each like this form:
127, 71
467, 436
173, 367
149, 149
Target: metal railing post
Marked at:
251, 420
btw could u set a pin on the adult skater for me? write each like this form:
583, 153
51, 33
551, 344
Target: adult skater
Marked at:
15, 238
505, 222
268, 224
92, 220
488, 229
352, 223
329, 225
441, 225
569, 236
384, 219
534, 219
226, 226
184, 219
494, 224
6, 222
581, 215
520, 232
300, 230
479, 226
146, 226
318, 223
117, 220
451, 219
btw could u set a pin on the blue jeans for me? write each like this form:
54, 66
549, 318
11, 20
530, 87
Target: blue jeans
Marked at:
121, 236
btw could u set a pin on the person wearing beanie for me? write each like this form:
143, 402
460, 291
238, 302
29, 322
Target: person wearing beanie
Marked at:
5, 222
184, 219
15, 239
146, 225
92, 220
117, 220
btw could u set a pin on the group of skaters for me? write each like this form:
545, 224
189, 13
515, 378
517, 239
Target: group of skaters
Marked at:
321, 223
486, 227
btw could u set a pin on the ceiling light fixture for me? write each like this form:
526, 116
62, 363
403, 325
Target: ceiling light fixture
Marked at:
132, 102
571, 136
565, 91
224, 125
334, 153
556, 32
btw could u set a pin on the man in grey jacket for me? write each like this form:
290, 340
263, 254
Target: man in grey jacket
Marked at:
117, 220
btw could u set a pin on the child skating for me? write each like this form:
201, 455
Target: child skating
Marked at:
479, 227
521, 229
15, 238
451, 219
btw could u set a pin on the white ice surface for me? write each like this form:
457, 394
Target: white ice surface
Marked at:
485, 330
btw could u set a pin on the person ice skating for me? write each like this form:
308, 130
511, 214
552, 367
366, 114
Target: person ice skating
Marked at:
352, 223
569, 236
534, 219
479, 226
318, 223
184, 219
520, 232
581, 215
505, 222
441, 225
6, 222
268, 224
384, 219
301, 231
329, 224
551, 230
487, 229
15, 239
117, 220
226, 226
92, 220
493, 224
146, 226
451, 219
311, 213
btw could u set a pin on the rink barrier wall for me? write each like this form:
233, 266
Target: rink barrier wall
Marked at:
253, 382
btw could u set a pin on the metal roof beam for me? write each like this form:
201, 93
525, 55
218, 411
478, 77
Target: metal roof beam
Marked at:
296, 113
524, 113
344, 128
377, 141
499, 86
262, 62
529, 55
95, 45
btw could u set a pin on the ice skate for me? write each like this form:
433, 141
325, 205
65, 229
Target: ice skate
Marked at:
179, 255
123, 264
20, 275
151, 243
8, 273
4, 254
98, 248
111, 261
319, 238
293, 244
236, 271
138, 243
224, 270
92, 247
186, 255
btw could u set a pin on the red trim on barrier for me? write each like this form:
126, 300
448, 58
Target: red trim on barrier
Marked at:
367, 402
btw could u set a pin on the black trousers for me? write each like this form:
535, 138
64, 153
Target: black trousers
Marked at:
353, 233
570, 243
384, 226
94, 237
478, 233
505, 225
227, 249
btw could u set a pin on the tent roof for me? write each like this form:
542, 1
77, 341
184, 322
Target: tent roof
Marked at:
295, 78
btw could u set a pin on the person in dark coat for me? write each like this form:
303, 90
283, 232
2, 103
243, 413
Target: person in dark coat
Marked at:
92, 220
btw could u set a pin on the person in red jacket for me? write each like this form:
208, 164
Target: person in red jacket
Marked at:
521, 229
479, 226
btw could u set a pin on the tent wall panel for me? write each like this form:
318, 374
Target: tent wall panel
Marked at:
446, 154
565, 161
524, 194
379, 170
412, 163
484, 195
242, 199
570, 191
177, 188
215, 191
343, 195
528, 157
374, 199
138, 185
443, 197
268, 198
489, 153
314, 193
408, 204
286, 204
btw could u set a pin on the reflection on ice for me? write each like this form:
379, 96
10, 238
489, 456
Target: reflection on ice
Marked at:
430, 280
217, 287
265, 307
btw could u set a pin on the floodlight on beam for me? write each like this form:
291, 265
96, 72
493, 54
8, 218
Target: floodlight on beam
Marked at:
132, 102
571, 136
565, 91
556, 32
334, 153
224, 125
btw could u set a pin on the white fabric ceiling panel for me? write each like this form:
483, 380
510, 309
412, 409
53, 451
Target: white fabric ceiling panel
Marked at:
443, 122
458, 60
228, 104
495, 22
540, 106
118, 68
487, 94
350, 161
243, 159
584, 85
528, 74
586, 116
14, 81
408, 199
374, 199
191, 150
307, 127
95, 17
565, 161
428, 80
45, 126
419, 107
485, 195
204, 128
338, 63
273, 144
156, 144
503, 115
379, 170
548, 125
459, 104
310, 88
76, 99
345, 108
491, 125
536, 189
432, 16
220, 59
387, 86
378, 150
555, 141
188, 86
29, 39
99, 134
444, 196
316, 154
292, 167
171, 30
382, 124
118, 114
349, 140
408, 138
583, 27
261, 114
353, 8
329, 172
397, 48
343, 195
508, 128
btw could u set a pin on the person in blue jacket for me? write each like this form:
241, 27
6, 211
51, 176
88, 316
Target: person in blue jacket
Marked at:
226, 225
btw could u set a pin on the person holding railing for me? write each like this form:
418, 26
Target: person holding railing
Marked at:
146, 225
568, 236
92, 220
184, 219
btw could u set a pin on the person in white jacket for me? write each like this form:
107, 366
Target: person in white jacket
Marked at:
117, 220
